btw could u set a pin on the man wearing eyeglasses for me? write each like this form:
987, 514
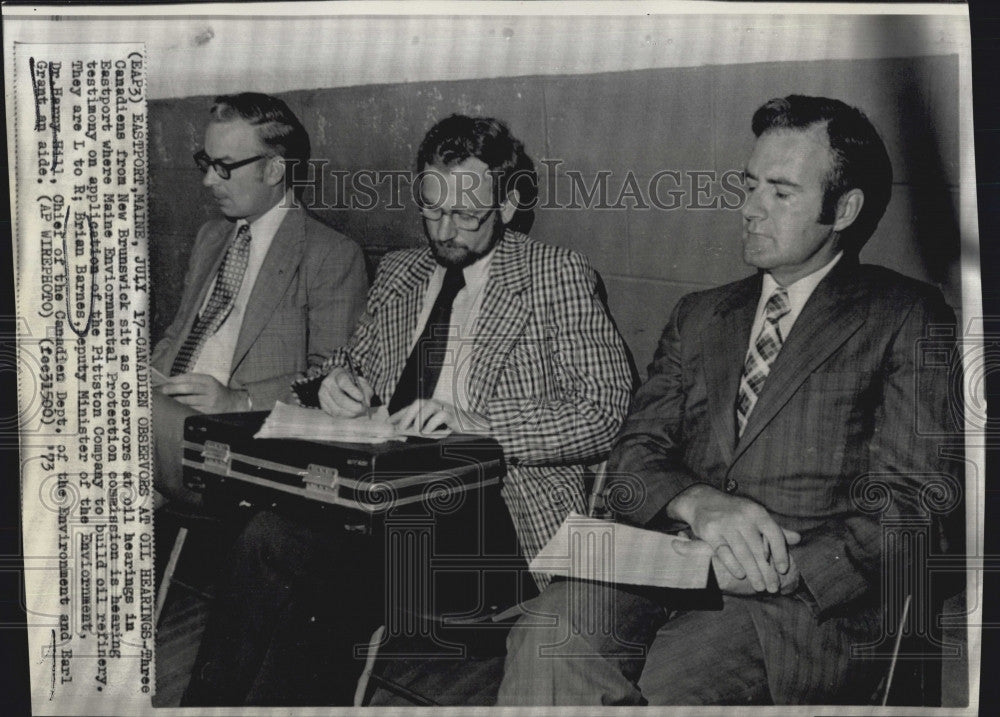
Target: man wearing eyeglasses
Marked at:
523, 349
482, 331
269, 291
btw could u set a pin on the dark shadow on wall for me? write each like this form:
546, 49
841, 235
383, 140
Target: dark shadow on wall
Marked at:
928, 112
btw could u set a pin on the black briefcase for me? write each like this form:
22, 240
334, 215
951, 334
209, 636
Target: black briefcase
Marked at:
432, 507
221, 453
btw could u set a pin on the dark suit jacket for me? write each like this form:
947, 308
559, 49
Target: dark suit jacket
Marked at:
834, 432
307, 298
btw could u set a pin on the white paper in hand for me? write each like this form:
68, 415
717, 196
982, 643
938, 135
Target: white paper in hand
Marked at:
600, 550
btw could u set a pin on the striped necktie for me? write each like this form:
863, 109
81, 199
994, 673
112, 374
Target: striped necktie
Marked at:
220, 303
760, 356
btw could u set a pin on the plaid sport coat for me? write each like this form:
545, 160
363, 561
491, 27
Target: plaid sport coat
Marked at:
304, 304
548, 373
843, 441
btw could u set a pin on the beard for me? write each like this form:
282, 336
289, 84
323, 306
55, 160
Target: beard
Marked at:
452, 255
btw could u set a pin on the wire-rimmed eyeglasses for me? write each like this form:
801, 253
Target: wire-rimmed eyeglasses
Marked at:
463, 220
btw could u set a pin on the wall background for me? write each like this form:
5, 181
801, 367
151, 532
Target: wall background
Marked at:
272, 47
640, 121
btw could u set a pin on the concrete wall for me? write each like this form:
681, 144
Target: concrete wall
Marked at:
640, 122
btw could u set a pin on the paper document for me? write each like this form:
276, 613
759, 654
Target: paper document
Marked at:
311, 424
593, 549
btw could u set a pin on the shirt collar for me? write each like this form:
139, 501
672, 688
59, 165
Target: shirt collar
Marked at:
478, 270
799, 291
474, 273
267, 223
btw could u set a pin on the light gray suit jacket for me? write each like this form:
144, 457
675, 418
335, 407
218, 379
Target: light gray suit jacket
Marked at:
308, 295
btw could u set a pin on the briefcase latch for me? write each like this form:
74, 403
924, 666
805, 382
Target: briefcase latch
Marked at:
322, 478
216, 457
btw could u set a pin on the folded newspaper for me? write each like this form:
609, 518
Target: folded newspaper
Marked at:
311, 424
600, 550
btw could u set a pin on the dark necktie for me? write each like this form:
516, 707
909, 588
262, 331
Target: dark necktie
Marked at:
760, 357
423, 367
220, 303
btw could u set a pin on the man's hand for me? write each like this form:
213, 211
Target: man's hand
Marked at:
204, 393
339, 397
788, 582
746, 539
425, 415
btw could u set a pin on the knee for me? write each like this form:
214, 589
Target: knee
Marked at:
542, 622
258, 546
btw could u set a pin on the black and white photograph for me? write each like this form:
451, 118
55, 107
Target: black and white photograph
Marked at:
499, 356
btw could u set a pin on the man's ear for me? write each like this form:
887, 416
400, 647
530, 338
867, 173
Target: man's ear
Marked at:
509, 206
848, 208
274, 170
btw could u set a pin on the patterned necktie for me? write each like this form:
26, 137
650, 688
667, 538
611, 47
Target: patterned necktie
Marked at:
760, 356
220, 303
423, 367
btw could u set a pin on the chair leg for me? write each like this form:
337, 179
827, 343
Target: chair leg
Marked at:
373, 644
596, 501
895, 651
168, 573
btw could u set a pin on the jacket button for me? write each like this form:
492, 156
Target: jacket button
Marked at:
731, 486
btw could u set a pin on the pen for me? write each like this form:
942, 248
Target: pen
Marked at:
375, 402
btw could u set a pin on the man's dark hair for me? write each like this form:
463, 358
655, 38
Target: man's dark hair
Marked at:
459, 137
277, 126
859, 157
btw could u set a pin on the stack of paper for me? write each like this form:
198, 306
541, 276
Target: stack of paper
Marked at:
600, 550
311, 424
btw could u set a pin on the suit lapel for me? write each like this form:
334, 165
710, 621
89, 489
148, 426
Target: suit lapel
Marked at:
724, 347
282, 260
502, 317
402, 309
832, 314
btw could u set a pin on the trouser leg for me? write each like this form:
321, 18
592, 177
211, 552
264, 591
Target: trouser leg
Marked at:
707, 658
583, 643
287, 611
309, 659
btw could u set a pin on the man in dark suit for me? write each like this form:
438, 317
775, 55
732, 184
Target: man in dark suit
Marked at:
269, 291
778, 423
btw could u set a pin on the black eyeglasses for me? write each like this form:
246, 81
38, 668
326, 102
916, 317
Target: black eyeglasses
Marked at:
463, 220
223, 169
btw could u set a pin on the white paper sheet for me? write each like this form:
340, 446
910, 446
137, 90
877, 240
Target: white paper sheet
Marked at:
310, 424
594, 549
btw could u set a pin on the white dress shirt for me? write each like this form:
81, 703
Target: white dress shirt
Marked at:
452, 385
798, 294
216, 357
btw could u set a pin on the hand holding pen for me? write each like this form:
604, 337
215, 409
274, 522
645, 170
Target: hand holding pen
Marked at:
347, 394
